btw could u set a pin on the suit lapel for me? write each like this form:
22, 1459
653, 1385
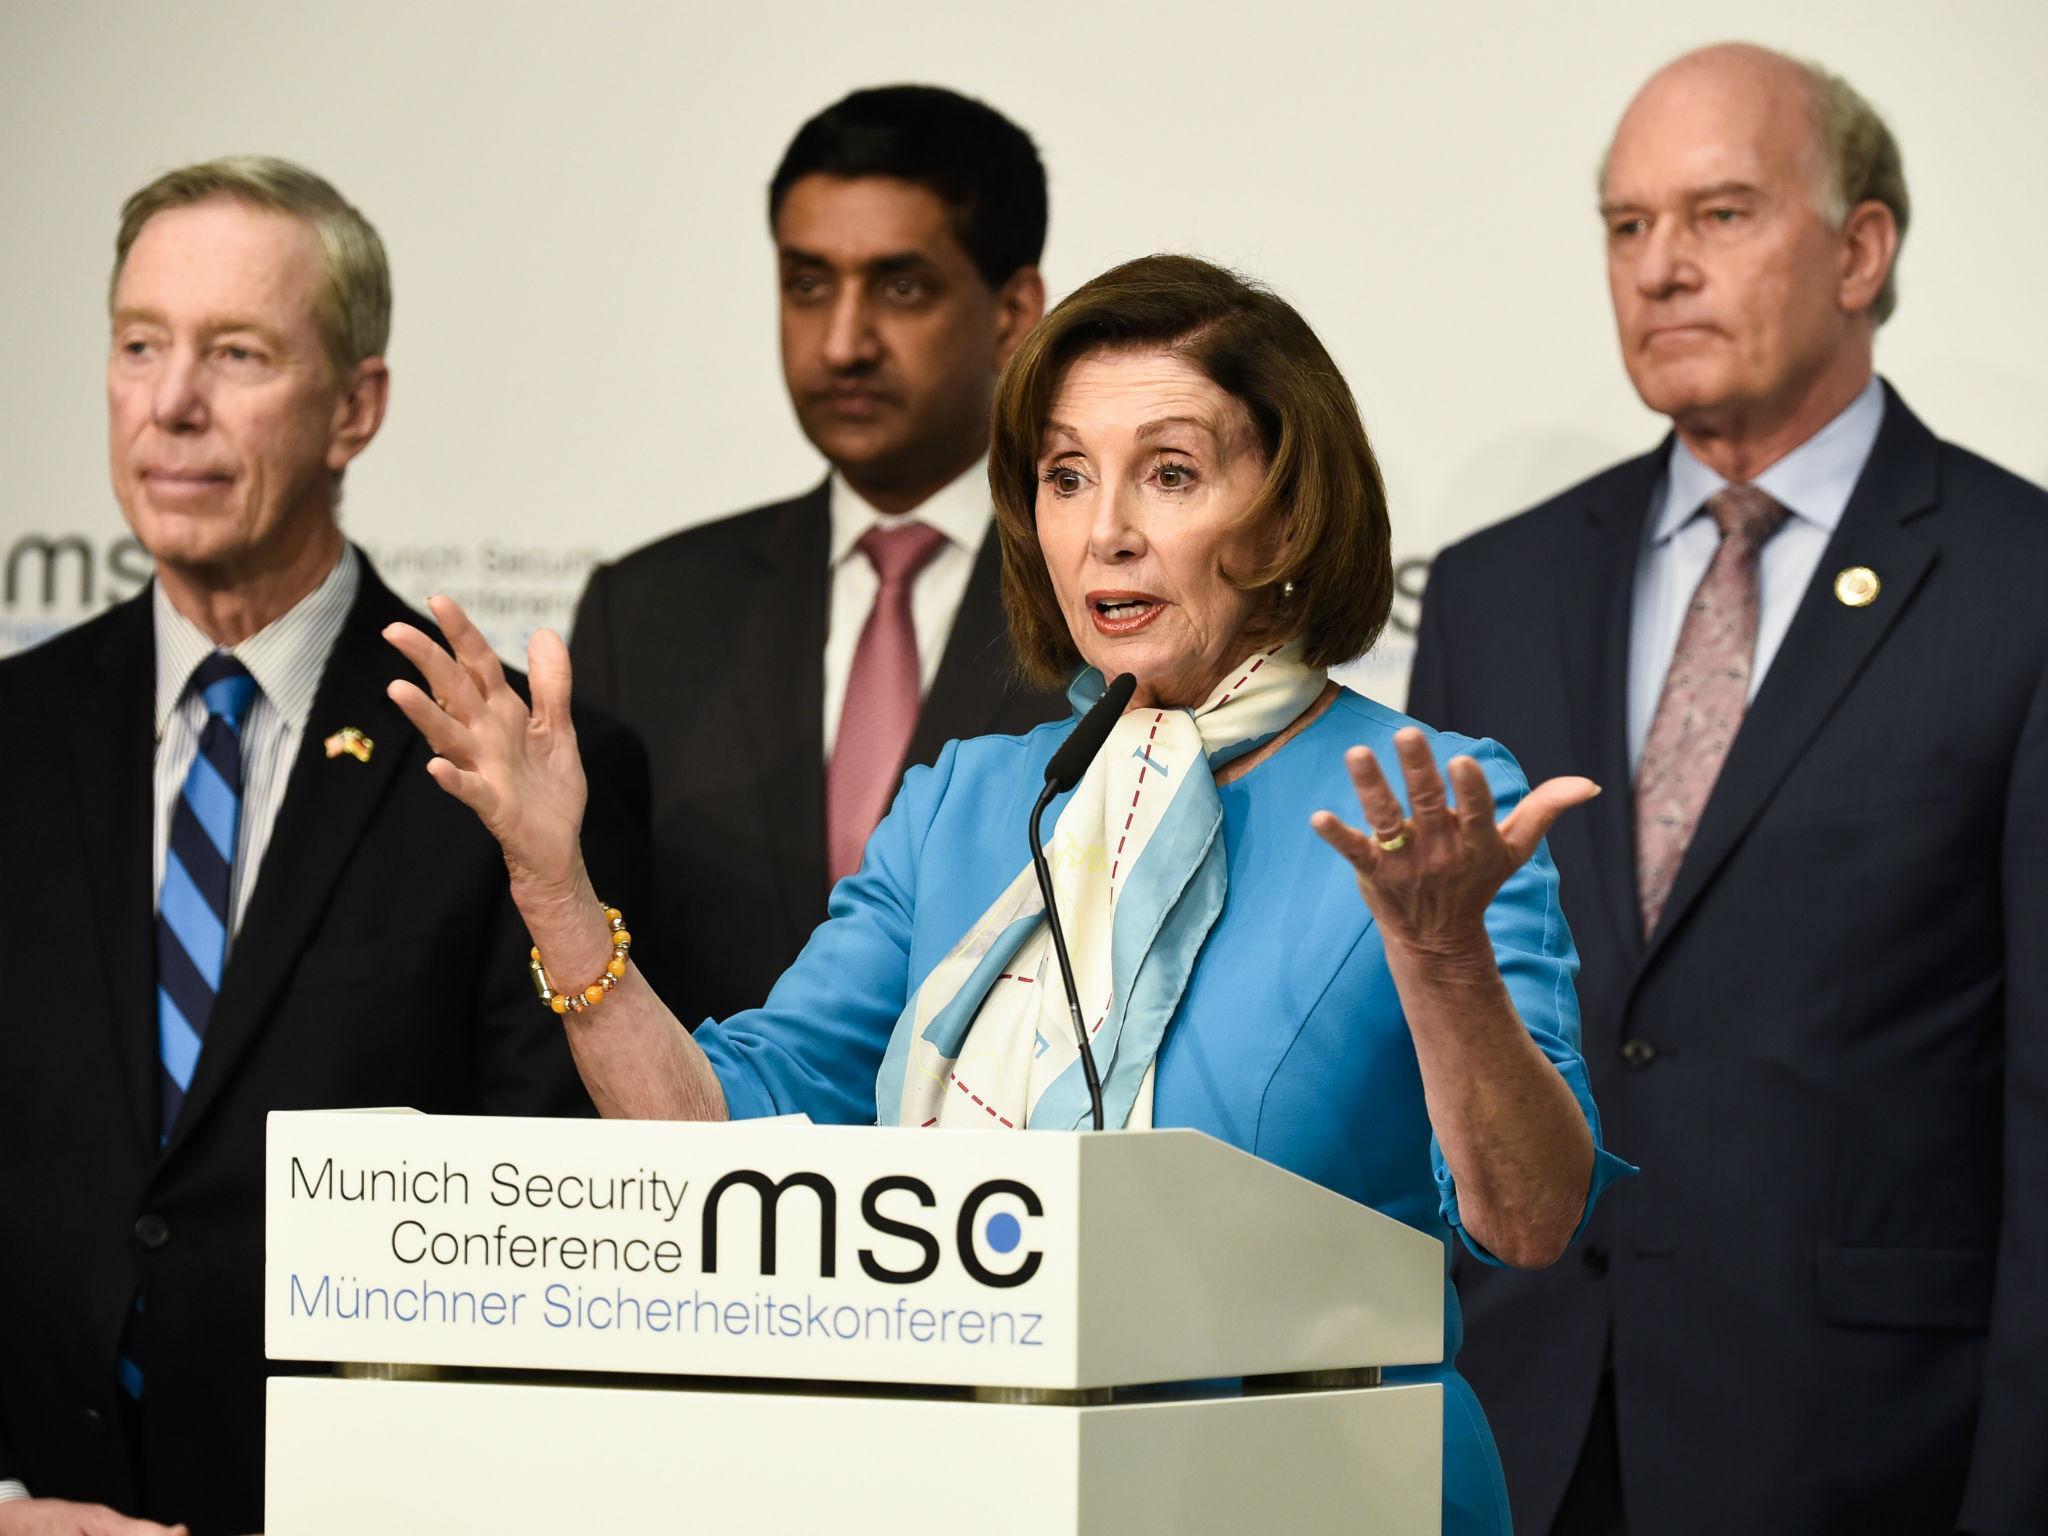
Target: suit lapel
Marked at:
1825, 648
786, 638
976, 675
1595, 609
327, 806
112, 741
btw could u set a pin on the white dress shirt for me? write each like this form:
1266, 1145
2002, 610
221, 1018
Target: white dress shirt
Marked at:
286, 657
1813, 482
960, 511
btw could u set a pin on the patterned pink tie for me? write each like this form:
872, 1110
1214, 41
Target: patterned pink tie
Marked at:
883, 692
1705, 694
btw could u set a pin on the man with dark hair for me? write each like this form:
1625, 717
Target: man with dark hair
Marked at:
1801, 643
784, 665
983, 167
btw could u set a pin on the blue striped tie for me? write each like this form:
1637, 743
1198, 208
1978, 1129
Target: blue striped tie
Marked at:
193, 915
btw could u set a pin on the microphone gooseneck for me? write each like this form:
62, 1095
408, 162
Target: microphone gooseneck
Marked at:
1069, 761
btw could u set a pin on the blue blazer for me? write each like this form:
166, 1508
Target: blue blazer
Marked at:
1823, 1301
1289, 1042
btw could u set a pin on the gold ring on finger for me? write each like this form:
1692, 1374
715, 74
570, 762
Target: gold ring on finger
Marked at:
1393, 842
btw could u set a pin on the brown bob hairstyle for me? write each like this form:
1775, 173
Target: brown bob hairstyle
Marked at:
1322, 496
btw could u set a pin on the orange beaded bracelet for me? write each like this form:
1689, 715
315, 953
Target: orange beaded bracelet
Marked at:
592, 995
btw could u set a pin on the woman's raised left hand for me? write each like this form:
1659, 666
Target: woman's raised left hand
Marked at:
1428, 876
515, 766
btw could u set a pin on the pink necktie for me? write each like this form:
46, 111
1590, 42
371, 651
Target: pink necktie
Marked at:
1705, 694
883, 692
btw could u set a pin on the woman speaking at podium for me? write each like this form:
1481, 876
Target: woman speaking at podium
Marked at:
1184, 493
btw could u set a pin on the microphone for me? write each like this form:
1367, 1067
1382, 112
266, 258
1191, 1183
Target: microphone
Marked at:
1073, 756
1069, 761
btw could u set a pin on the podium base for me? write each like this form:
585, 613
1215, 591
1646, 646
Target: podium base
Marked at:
345, 1456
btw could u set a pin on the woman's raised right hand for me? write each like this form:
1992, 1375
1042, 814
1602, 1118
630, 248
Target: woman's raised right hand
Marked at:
516, 767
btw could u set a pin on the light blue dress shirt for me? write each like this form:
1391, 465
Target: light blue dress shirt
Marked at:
1813, 482
1289, 1041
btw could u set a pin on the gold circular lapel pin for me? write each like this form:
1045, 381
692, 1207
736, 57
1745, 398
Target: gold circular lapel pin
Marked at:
1856, 587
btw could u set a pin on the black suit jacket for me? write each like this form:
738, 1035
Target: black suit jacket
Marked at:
379, 963
710, 645
1824, 1296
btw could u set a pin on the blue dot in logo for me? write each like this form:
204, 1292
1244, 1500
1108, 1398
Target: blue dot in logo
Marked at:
1002, 1232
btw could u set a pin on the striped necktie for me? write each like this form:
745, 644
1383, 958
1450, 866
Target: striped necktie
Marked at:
193, 915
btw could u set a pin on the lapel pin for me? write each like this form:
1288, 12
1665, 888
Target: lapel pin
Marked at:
352, 741
1856, 587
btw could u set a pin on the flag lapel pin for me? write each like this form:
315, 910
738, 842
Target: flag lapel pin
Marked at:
348, 740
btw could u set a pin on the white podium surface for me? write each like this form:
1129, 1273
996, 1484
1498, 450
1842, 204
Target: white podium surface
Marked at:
345, 1457
790, 1313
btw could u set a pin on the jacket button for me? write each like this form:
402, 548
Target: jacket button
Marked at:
95, 1421
1637, 1053
151, 1230
1594, 1257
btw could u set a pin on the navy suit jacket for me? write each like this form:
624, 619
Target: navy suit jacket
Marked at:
1825, 1302
710, 645
380, 962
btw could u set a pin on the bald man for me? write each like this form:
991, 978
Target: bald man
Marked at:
1802, 644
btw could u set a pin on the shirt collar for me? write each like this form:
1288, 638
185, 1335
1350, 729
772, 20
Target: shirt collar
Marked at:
1813, 481
286, 656
959, 510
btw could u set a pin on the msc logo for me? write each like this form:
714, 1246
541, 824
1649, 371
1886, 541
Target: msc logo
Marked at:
51, 567
1002, 1232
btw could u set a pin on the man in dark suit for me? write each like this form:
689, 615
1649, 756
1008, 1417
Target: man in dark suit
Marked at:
1802, 644
784, 665
236, 890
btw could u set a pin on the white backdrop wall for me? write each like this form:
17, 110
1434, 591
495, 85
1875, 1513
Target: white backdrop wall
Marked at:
583, 353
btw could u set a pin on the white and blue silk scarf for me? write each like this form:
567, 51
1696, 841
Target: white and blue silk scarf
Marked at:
1139, 869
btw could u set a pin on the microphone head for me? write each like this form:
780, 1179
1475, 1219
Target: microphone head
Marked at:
1116, 698
1073, 756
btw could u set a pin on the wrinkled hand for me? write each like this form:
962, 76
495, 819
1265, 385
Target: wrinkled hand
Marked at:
60, 1517
1429, 876
516, 768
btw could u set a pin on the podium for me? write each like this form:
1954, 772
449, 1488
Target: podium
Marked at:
552, 1325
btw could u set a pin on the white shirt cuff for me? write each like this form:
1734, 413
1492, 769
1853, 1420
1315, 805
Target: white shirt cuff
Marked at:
12, 1490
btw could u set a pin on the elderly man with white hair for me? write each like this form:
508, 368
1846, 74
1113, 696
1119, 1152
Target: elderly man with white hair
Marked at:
1802, 643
